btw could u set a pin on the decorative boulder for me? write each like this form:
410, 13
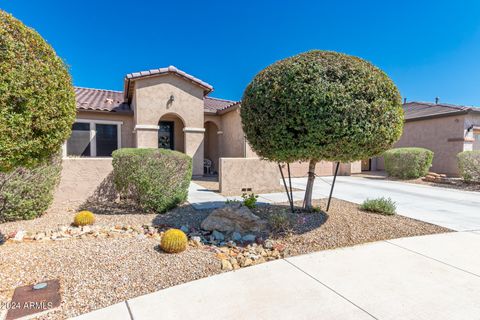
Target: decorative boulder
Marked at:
233, 218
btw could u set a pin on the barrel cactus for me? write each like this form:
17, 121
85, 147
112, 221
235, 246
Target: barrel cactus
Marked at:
84, 218
174, 241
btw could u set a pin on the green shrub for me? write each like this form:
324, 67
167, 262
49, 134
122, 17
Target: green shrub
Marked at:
249, 200
280, 222
381, 205
321, 105
37, 100
469, 165
154, 179
27, 193
408, 163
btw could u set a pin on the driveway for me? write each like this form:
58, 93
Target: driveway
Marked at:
422, 278
450, 208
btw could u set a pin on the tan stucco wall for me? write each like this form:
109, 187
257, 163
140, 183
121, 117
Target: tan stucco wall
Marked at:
300, 169
248, 173
444, 136
152, 101
80, 178
232, 140
127, 126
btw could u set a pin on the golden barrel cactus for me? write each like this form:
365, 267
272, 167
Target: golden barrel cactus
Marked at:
174, 241
84, 218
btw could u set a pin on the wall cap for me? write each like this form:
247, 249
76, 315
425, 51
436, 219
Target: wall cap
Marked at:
192, 129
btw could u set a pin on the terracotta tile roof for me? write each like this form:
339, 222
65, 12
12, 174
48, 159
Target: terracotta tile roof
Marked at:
128, 90
101, 100
112, 101
420, 110
213, 105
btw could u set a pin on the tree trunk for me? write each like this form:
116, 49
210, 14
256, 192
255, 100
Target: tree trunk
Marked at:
307, 202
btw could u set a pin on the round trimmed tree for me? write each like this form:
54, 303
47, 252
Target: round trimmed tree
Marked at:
37, 100
321, 105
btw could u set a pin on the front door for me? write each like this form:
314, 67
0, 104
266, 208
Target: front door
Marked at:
366, 164
165, 135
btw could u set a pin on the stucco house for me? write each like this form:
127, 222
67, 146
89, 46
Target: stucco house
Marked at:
165, 108
445, 129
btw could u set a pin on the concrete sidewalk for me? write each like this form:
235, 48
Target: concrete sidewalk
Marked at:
428, 277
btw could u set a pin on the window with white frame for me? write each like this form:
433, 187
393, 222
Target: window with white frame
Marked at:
93, 138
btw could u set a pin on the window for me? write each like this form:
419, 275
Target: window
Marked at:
93, 138
79, 142
107, 139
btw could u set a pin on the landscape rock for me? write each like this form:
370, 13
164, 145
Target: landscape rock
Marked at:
236, 236
19, 235
233, 217
184, 229
268, 244
226, 265
218, 235
248, 238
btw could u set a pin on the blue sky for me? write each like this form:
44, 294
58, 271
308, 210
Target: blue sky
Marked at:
429, 48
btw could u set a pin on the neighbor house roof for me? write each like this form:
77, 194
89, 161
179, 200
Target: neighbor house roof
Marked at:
113, 101
425, 110
128, 89
101, 100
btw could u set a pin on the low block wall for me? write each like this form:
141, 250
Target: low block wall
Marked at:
81, 177
238, 175
324, 168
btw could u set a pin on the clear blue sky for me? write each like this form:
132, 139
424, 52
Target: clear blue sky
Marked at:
429, 48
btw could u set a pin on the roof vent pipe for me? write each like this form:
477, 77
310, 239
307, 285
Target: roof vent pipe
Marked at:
436, 100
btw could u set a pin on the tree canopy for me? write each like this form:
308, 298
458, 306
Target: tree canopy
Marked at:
321, 105
37, 100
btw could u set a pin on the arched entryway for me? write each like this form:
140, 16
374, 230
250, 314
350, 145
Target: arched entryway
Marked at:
211, 146
170, 132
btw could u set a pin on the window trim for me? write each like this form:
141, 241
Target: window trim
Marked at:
93, 132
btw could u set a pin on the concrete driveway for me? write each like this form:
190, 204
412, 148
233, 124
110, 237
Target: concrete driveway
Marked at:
422, 278
450, 208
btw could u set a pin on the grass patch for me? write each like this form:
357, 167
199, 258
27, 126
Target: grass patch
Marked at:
382, 205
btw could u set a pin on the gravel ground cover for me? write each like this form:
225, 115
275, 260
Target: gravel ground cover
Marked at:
97, 272
344, 225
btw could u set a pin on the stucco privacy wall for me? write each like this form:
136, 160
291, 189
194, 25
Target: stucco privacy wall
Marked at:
127, 125
444, 136
81, 177
247, 173
153, 99
233, 139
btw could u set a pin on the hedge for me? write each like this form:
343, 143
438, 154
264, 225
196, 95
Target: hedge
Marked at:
27, 193
154, 179
408, 163
469, 165
37, 99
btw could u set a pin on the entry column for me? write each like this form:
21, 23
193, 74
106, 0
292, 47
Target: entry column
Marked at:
194, 148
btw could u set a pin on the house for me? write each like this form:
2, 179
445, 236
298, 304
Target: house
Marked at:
445, 129
165, 108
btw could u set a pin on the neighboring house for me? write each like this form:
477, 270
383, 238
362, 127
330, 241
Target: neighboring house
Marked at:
443, 128
165, 108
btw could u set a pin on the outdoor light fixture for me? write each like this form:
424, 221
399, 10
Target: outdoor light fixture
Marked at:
172, 98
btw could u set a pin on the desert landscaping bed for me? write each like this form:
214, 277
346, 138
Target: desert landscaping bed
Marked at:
100, 268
